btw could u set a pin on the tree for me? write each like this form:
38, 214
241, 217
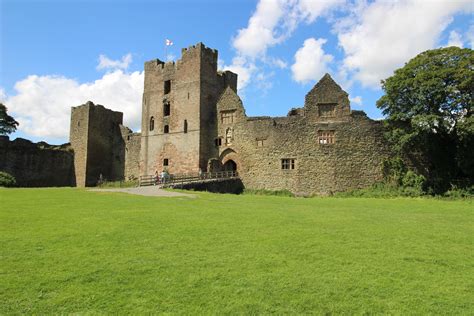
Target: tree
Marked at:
429, 108
7, 123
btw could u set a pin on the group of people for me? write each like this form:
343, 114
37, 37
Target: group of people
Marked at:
161, 178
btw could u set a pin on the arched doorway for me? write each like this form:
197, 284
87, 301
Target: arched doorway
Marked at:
230, 165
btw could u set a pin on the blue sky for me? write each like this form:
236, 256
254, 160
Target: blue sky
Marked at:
58, 54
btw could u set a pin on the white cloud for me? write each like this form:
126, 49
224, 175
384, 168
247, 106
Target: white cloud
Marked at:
357, 100
260, 32
311, 62
381, 36
42, 104
243, 68
106, 63
275, 20
455, 39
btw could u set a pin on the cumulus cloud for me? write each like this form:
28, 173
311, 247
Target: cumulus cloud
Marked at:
243, 69
357, 100
455, 39
110, 64
381, 36
42, 104
311, 62
272, 23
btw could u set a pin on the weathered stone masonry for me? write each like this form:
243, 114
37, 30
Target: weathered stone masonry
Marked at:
192, 118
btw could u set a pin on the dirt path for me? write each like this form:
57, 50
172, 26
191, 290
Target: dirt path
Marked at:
146, 191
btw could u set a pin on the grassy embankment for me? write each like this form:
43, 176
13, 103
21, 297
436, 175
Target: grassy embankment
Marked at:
73, 251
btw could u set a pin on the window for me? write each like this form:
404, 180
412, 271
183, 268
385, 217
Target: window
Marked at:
288, 164
259, 142
166, 109
218, 142
166, 129
227, 117
167, 86
165, 162
185, 128
327, 110
152, 123
326, 137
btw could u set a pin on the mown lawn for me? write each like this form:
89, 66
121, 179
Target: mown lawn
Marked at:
73, 251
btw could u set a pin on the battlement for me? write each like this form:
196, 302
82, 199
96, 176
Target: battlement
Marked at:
198, 51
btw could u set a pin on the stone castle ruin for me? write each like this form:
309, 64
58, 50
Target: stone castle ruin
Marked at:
193, 119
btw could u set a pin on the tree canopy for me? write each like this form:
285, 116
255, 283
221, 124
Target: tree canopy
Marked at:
429, 108
7, 123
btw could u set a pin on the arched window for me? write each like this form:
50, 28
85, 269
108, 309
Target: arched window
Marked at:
152, 123
166, 109
185, 126
166, 129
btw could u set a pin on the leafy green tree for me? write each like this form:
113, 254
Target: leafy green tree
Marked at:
7, 123
429, 108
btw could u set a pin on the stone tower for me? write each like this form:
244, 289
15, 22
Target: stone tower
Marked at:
179, 111
96, 138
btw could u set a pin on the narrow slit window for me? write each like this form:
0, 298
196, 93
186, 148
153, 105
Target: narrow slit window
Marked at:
185, 127
166, 109
218, 141
152, 123
166, 129
167, 86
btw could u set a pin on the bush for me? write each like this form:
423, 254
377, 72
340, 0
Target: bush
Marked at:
7, 180
460, 193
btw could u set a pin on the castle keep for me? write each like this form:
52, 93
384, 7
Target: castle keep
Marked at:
193, 119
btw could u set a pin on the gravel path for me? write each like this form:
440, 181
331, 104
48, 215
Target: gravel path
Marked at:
146, 191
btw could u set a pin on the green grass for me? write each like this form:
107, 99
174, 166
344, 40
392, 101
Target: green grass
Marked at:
73, 251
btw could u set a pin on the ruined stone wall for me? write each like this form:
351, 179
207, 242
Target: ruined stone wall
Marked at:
259, 144
37, 164
98, 145
195, 86
132, 153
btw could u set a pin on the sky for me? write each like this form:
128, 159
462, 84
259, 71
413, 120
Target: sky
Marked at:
57, 54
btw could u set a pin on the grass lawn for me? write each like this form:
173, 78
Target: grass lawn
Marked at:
73, 251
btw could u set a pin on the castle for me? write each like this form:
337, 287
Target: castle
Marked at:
193, 119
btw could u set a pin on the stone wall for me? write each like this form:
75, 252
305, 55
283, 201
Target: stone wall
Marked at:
258, 145
98, 144
194, 87
37, 164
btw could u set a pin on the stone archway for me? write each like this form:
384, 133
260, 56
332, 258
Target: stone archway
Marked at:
230, 165
230, 160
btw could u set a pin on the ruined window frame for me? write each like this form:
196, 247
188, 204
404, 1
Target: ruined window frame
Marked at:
327, 109
167, 86
326, 137
218, 141
288, 164
152, 123
227, 117
166, 108
260, 142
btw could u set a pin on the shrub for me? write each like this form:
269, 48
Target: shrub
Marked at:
7, 180
118, 184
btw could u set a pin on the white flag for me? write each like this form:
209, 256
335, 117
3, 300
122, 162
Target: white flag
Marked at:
169, 42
